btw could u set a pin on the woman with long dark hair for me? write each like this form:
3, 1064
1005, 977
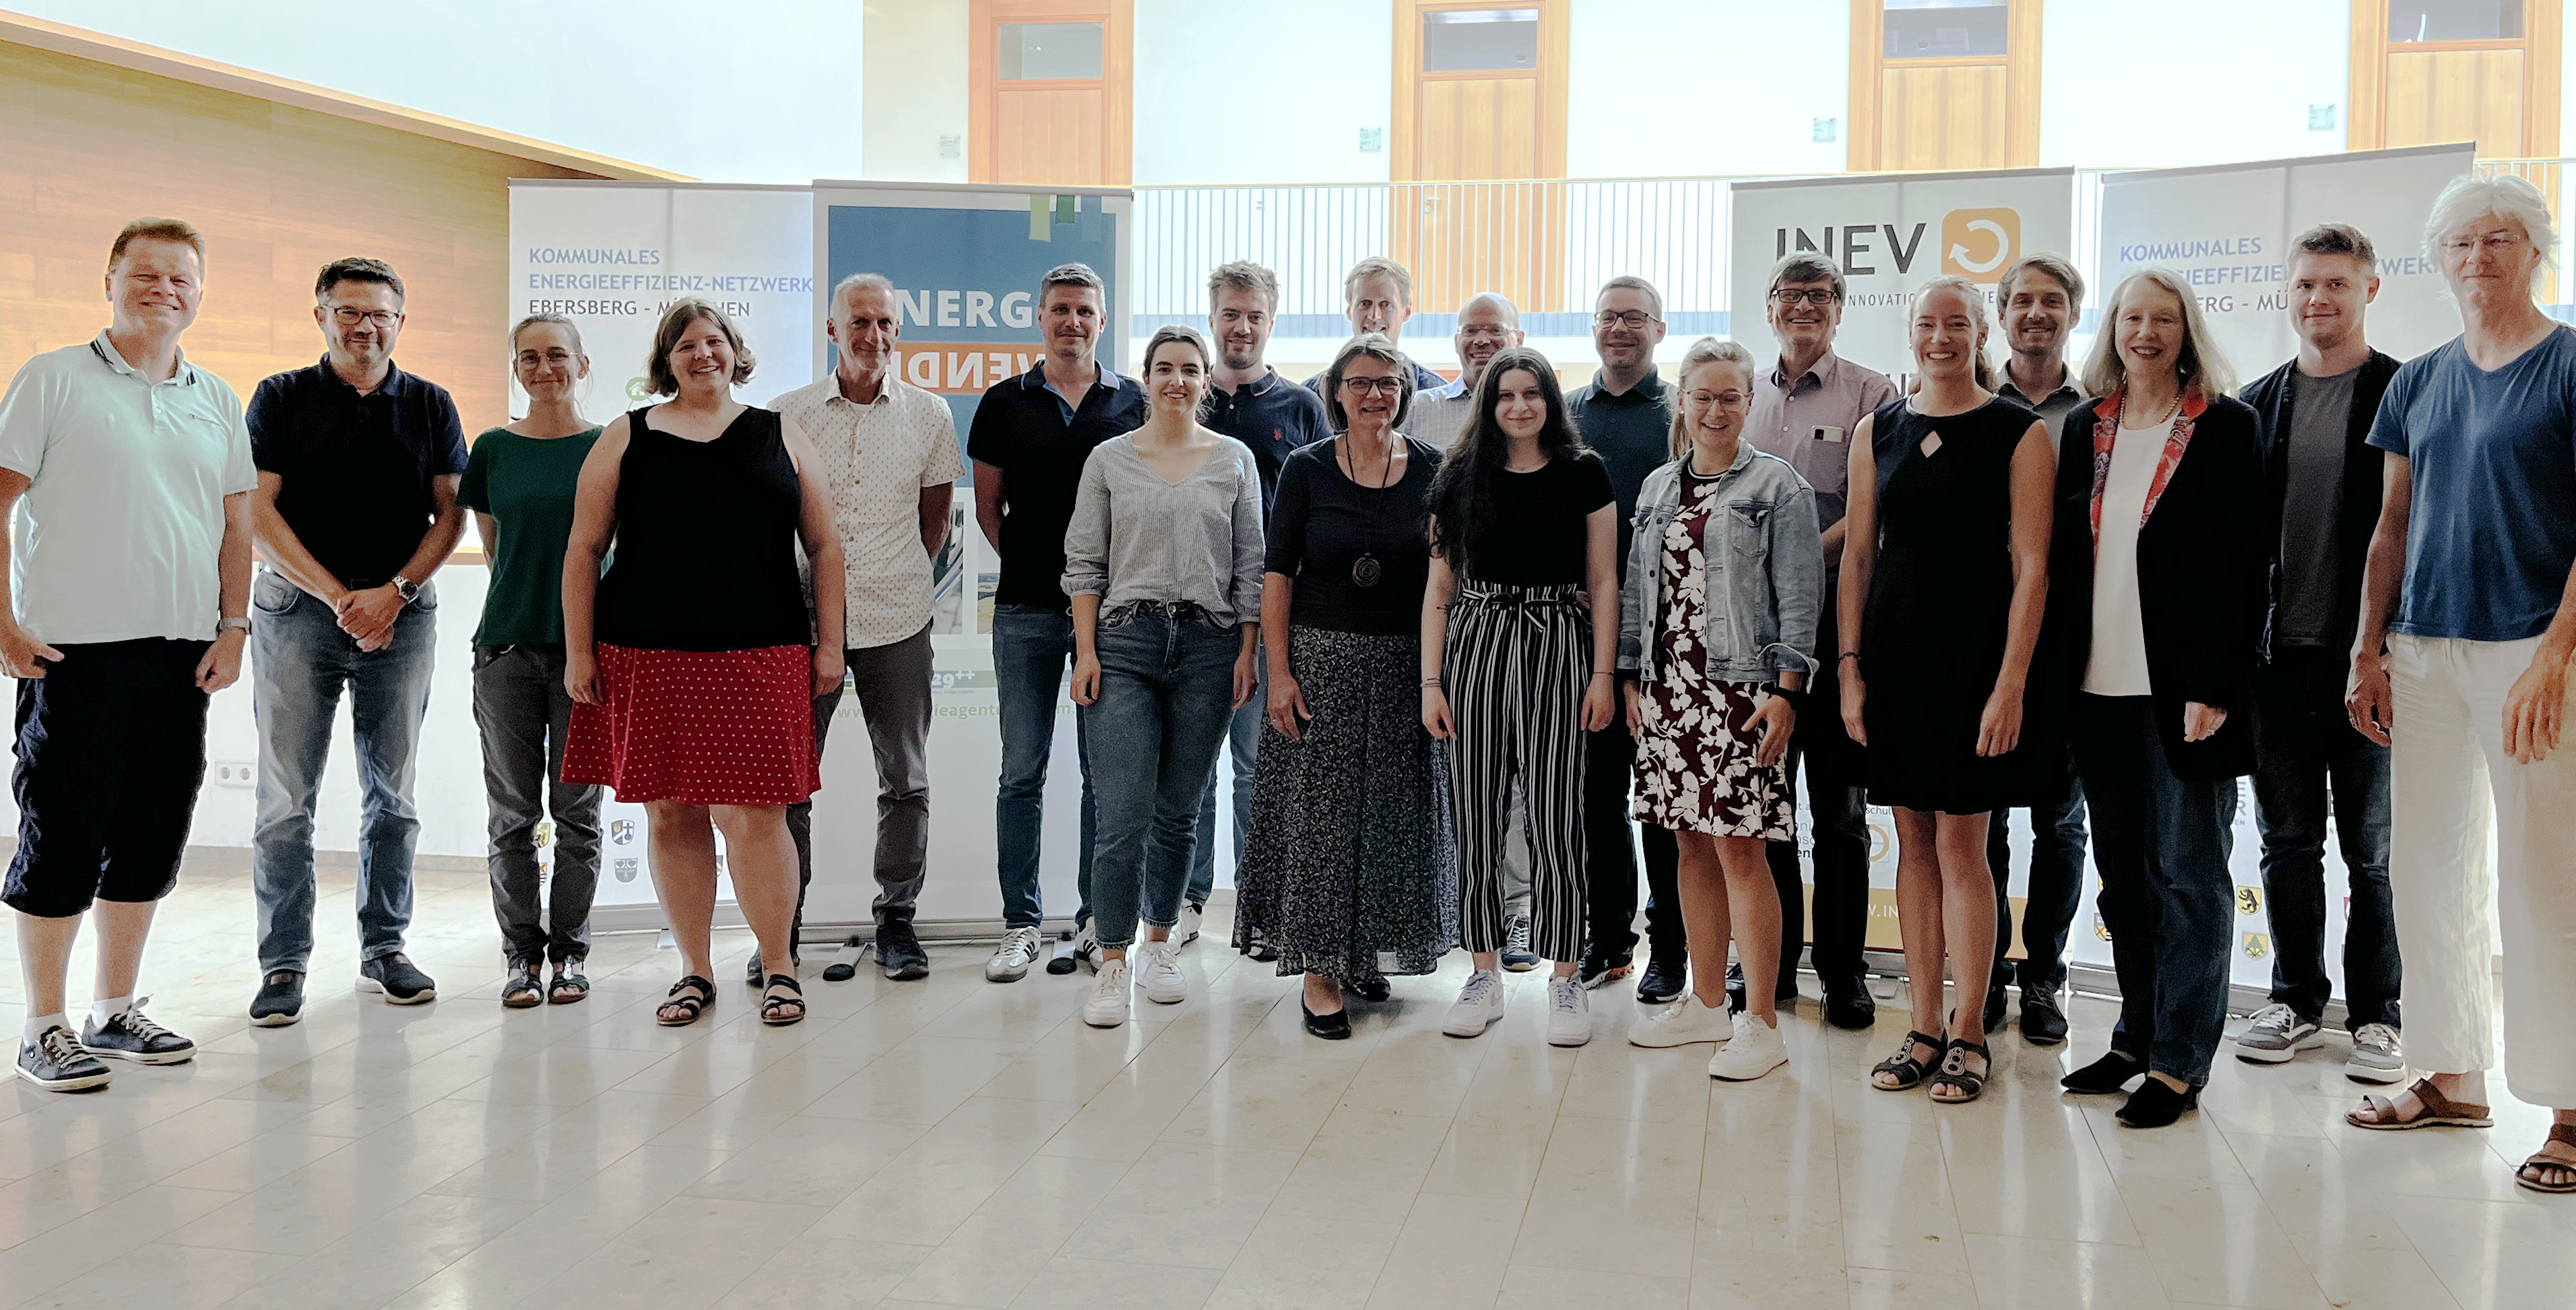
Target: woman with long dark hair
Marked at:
1520, 629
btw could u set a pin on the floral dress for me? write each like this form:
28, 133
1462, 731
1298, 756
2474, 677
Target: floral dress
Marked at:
1695, 755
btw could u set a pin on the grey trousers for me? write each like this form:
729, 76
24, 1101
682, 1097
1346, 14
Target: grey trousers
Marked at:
522, 710
893, 686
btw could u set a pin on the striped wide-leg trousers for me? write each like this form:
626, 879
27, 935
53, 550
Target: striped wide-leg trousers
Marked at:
1516, 664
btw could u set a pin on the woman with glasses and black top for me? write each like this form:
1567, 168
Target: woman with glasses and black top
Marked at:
1520, 632
1349, 873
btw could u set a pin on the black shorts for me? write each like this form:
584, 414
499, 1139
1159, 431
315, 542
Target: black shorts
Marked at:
111, 750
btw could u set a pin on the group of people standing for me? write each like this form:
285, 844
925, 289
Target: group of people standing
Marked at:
1456, 633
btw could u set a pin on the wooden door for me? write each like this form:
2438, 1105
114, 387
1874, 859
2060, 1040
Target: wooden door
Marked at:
2425, 72
1480, 122
1050, 92
1944, 84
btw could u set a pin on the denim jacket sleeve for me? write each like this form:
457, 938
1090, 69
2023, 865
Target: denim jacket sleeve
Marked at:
1643, 546
1797, 581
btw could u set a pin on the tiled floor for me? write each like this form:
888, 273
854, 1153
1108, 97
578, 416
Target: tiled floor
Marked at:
952, 1142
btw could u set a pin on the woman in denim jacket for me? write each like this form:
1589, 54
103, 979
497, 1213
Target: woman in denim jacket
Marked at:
1716, 636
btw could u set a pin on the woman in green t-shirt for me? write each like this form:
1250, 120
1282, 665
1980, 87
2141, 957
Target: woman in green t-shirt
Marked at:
519, 481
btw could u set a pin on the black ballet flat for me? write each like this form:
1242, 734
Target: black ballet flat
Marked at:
2154, 1105
1373, 989
2109, 1074
1332, 1027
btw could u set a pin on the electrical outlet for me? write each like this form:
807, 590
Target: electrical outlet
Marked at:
233, 773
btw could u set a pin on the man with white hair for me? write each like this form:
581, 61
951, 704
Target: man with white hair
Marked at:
1377, 296
889, 453
1487, 324
2468, 622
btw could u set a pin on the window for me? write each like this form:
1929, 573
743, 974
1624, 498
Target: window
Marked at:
1473, 40
1047, 52
1947, 29
2415, 21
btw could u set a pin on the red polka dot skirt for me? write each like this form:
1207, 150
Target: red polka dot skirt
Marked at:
703, 727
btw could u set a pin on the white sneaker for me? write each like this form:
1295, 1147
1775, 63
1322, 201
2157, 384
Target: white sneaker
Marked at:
1683, 1022
1086, 946
2378, 1055
1569, 1012
1756, 1049
1158, 971
1187, 930
1011, 959
2276, 1034
1479, 1007
1107, 1007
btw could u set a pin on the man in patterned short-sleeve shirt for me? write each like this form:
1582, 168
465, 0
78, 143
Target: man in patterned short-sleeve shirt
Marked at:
890, 455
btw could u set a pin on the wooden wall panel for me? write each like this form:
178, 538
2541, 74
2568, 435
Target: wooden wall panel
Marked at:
1943, 117
2435, 96
278, 191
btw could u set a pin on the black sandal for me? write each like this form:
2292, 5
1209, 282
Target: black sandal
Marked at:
774, 1007
1955, 1073
524, 990
1908, 1071
694, 1005
569, 984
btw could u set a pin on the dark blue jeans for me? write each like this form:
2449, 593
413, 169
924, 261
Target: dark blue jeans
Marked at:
2307, 758
1166, 701
2162, 844
1243, 737
1032, 647
2056, 892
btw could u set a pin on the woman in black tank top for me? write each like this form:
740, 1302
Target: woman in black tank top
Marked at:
692, 664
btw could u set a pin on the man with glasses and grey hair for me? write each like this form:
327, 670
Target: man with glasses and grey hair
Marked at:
1377, 296
889, 453
1487, 324
1805, 407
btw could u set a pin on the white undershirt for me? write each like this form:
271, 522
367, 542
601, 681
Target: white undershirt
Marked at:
2118, 666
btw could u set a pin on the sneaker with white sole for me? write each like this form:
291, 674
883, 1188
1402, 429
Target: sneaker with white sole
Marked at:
1756, 1049
1158, 972
57, 1062
1479, 1005
1011, 959
1569, 1012
133, 1035
1086, 946
2276, 1034
1517, 955
1107, 1007
2378, 1055
1187, 930
395, 977
1681, 1023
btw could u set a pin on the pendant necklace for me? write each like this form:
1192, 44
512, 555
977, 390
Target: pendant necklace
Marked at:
1366, 571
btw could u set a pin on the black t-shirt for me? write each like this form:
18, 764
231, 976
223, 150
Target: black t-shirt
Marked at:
355, 471
1323, 525
1537, 536
1022, 429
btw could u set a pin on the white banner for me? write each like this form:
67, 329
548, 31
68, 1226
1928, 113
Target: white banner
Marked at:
1890, 234
2228, 229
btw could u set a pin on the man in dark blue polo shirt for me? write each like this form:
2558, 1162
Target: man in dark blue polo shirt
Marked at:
358, 464
1248, 401
1625, 413
1030, 437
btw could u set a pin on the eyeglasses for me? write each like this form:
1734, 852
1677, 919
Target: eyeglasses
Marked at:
382, 318
1811, 295
1728, 400
1374, 386
1485, 333
1634, 319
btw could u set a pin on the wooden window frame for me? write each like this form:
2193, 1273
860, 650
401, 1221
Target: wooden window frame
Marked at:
2542, 44
1554, 59
1117, 19
2020, 62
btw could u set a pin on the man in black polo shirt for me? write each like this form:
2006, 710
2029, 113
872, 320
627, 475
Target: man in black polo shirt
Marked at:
1029, 439
1626, 414
356, 508
1248, 401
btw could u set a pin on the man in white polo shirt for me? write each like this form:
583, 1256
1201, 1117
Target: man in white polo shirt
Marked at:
890, 456
126, 472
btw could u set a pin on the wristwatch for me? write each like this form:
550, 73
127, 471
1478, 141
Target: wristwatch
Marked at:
224, 625
406, 588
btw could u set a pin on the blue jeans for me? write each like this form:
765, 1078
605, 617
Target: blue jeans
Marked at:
1032, 646
1243, 737
2162, 844
1166, 702
300, 660
2056, 891
2306, 755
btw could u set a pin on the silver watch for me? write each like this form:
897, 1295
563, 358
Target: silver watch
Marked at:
226, 625
406, 588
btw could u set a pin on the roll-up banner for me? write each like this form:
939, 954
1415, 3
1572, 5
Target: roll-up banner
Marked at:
1890, 234
2228, 228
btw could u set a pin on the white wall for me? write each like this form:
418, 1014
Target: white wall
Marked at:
2190, 81
606, 76
1672, 88
915, 90
1232, 92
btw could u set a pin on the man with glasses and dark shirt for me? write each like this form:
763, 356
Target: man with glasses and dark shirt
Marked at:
1028, 442
1804, 410
1248, 401
356, 508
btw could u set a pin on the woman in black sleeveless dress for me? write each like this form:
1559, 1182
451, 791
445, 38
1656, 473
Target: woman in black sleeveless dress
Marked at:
1945, 580
692, 664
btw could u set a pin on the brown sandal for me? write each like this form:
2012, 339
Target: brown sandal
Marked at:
2565, 1133
2439, 1112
